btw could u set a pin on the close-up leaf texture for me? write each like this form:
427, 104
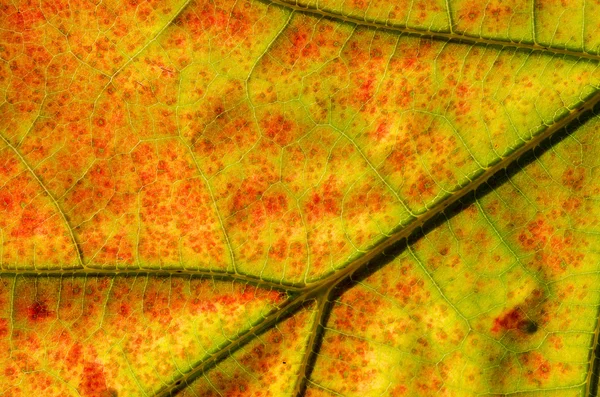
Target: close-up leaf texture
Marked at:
289, 198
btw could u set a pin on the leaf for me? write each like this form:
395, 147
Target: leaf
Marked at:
334, 198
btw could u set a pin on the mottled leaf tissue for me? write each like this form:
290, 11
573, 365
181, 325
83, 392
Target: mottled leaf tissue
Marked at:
291, 198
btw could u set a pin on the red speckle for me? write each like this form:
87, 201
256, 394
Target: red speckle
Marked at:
471, 15
244, 196
29, 224
279, 129
124, 310
279, 250
574, 178
537, 368
38, 311
75, 355
93, 383
382, 131
302, 44
6, 201
554, 250
366, 89
3, 327
325, 202
10, 373
275, 204
462, 91
202, 305
361, 4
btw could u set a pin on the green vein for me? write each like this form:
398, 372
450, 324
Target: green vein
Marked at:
52, 198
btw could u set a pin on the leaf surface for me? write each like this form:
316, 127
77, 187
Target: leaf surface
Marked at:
500, 298
332, 198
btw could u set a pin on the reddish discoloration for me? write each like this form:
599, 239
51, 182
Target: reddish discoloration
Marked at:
79, 344
258, 366
28, 224
206, 19
38, 311
325, 201
249, 192
553, 250
125, 310
305, 42
275, 204
280, 129
75, 355
514, 320
301, 43
279, 250
495, 18
4, 327
93, 383
349, 366
399, 390
28, 215
574, 178
381, 131
423, 182
537, 369
471, 15
366, 87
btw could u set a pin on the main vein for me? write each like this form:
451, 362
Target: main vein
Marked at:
321, 289
448, 36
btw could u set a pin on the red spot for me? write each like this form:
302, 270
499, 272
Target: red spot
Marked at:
3, 327
359, 4
38, 311
202, 305
6, 201
471, 15
279, 250
301, 44
462, 91
279, 129
277, 296
275, 204
299, 39
10, 373
93, 383
366, 89
424, 186
325, 202
537, 368
408, 62
29, 223
496, 13
554, 251
383, 130
574, 178
515, 319
244, 197
124, 310
75, 355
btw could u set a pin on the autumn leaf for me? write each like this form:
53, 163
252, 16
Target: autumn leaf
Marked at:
299, 198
